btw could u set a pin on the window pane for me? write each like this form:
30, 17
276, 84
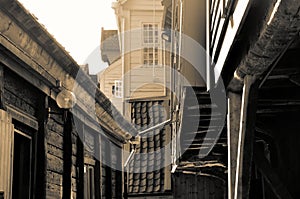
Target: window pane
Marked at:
150, 33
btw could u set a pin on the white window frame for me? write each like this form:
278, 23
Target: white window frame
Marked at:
150, 56
150, 40
150, 33
118, 89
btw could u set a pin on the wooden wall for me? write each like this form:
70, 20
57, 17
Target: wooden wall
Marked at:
31, 63
107, 80
6, 152
195, 187
58, 153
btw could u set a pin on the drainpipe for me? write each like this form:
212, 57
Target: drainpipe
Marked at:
172, 85
123, 62
180, 33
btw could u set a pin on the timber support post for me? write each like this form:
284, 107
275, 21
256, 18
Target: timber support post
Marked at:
241, 123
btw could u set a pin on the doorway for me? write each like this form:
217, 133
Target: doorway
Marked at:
22, 165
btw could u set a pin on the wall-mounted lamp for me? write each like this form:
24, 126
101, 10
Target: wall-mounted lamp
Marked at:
66, 99
166, 35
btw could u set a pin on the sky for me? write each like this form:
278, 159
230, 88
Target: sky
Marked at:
76, 24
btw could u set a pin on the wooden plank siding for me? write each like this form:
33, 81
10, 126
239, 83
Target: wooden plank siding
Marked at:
139, 74
54, 139
142, 5
50, 161
198, 187
6, 153
107, 81
147, 82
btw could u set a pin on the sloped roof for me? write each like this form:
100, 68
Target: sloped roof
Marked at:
146, 171
280, 29
51, 56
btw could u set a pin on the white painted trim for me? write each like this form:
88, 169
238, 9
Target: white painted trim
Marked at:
238, 16
228, 151
208, 65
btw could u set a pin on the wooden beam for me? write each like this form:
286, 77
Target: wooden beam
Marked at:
278, 58
2, 103
245, 139
286, 70
274, 102
274, 77
233, 120
270, 176
273, 111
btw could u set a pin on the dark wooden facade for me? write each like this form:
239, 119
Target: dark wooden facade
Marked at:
47, 151
253, 47
193, 186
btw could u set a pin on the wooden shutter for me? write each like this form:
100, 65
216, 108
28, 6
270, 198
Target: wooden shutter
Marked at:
6, 153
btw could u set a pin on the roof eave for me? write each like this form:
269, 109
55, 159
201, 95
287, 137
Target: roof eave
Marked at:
282, 27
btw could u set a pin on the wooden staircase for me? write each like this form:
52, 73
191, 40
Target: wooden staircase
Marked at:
202, 134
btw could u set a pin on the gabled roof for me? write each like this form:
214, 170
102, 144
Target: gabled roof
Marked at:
48, 55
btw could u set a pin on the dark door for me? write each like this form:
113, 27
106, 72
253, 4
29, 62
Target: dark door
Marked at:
22, 166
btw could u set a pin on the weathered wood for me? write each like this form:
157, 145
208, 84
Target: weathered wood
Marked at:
241, 112
278, 58
246, 137
23, 117
6, 153
273, 38
2, 103
270, 176
55, 139
53, 191
54, 164
53, 150
67, 156
190, 185
43, 66
233, 120
54, 178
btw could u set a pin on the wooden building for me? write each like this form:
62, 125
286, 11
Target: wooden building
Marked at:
142, 70
253, 48
138, 82
48, 150
111, 78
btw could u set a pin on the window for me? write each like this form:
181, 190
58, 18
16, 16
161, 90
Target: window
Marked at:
150, 41
150, 56
150, 33
89, 182
117, 89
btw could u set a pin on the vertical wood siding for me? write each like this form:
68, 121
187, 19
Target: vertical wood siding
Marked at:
198, 187
6, 153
